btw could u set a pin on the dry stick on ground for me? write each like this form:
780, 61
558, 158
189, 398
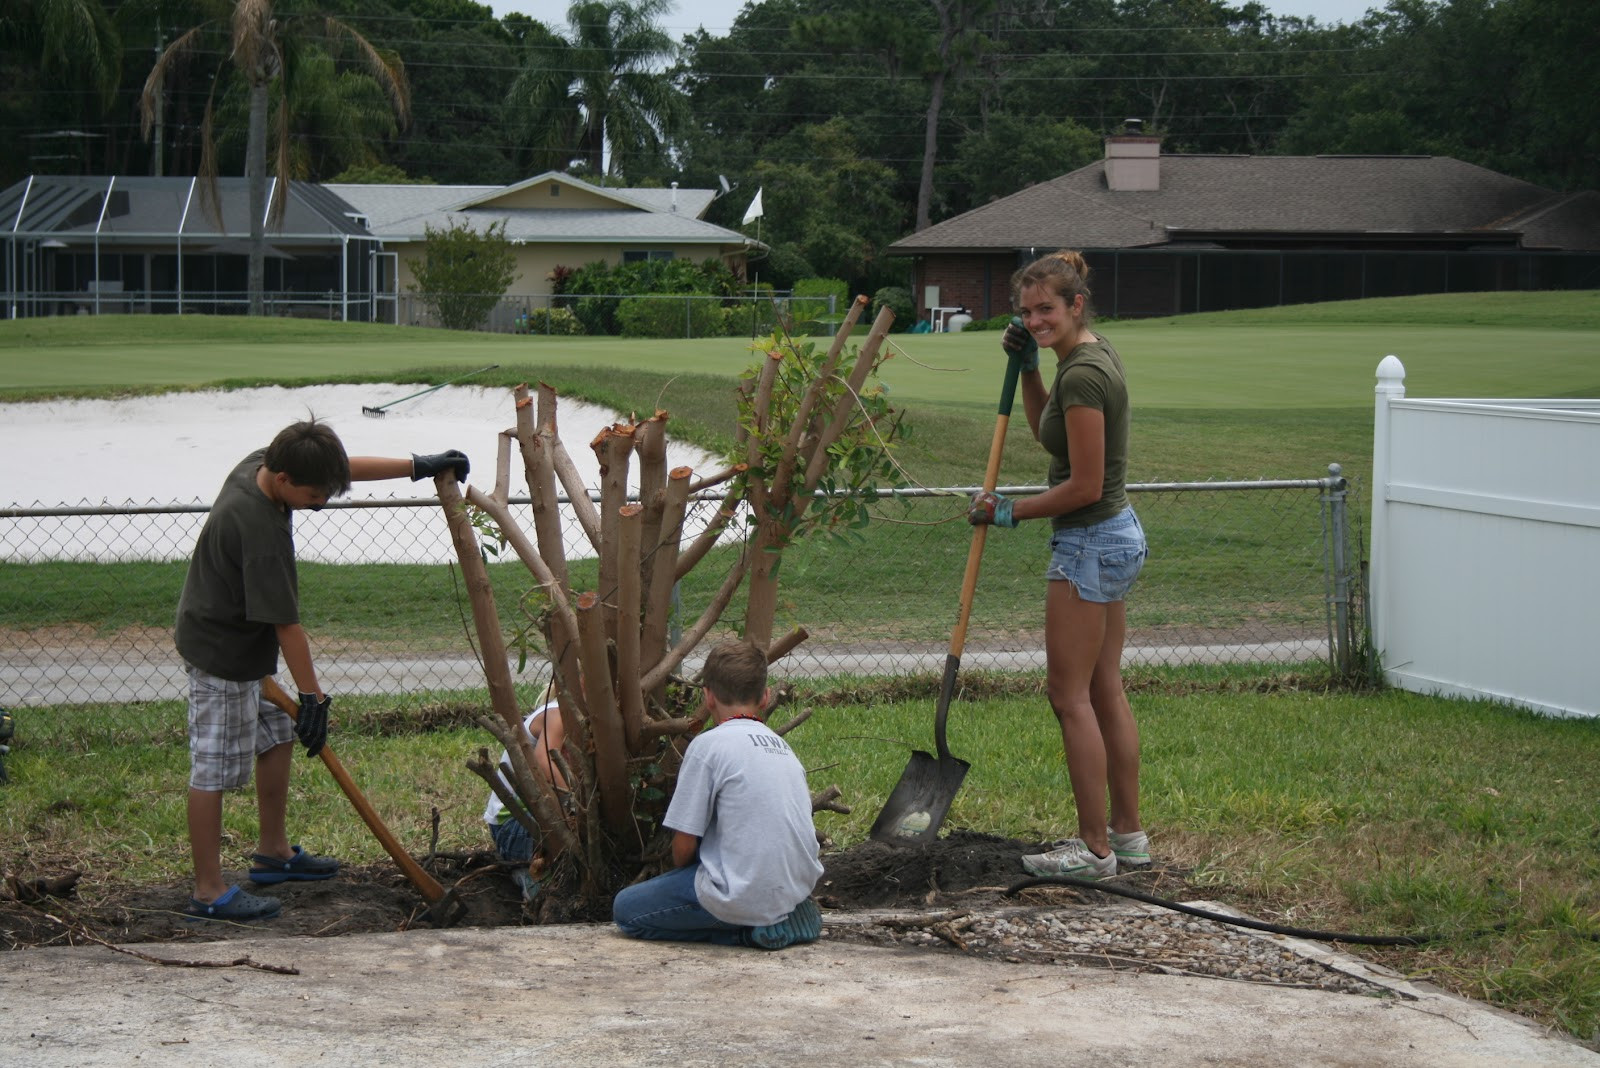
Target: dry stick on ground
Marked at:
799, 718
828, 801
80, 931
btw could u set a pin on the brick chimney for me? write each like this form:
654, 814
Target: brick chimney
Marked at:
1133, 159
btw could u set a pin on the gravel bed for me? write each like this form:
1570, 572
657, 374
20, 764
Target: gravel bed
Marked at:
1134, 937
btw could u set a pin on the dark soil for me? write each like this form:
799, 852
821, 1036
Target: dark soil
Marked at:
45, 908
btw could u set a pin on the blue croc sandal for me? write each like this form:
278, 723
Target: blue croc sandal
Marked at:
301, 867
802, 925
236, 904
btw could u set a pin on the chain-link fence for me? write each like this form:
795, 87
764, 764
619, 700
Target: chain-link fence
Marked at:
1264, 572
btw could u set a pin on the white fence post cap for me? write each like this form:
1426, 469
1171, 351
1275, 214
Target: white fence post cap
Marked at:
1391, 375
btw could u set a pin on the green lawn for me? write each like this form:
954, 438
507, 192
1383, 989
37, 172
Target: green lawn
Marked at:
1270, 393
1311, 356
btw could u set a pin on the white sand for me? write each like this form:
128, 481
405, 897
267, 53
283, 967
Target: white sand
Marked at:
177, 448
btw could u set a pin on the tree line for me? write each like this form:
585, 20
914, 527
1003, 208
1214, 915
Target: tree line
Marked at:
861, 123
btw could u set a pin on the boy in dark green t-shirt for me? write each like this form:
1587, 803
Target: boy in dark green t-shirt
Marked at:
238, 609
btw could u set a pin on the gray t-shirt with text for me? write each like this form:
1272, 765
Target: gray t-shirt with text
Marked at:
742, 791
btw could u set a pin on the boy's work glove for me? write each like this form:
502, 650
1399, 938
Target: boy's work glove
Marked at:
990, 508
1017, 339
312, 725
433, 463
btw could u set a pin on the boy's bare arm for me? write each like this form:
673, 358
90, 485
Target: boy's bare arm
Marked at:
415, 467
373, 468
684, 848
296, 648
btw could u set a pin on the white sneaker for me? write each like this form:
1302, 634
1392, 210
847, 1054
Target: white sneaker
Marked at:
1071, 858
1132, 850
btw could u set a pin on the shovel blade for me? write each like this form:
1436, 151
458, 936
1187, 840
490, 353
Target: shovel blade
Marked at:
916, 808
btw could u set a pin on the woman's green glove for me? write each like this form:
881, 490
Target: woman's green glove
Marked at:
989, 507
1017, 340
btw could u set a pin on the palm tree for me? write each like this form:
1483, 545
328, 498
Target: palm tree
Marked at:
260, 40
603, 87
74, 38
61, 62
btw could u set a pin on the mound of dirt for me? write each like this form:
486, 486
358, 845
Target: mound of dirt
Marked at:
948, 895
40, 908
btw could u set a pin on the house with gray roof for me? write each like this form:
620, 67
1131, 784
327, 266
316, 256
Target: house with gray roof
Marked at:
165, 245
552, 220
100, 245
1168, 234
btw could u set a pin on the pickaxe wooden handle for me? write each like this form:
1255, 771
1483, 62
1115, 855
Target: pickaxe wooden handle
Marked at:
440, 904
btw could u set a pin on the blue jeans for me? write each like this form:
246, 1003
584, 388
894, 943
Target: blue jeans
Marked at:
666, 908
512, 840
1102, 559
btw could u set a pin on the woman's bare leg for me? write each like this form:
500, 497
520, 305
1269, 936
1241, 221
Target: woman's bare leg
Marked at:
1118, 730
1075, 631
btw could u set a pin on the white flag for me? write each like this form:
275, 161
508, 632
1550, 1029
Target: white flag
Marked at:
753, 212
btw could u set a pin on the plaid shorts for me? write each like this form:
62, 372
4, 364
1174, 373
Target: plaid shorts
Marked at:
230, 724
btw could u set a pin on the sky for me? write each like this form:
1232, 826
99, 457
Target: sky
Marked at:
718, 15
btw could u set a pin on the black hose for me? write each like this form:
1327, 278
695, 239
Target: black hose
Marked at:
1237, 921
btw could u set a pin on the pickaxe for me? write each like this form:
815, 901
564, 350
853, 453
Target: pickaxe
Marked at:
444, 909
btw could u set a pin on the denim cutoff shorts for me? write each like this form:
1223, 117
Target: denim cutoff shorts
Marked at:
1102, 559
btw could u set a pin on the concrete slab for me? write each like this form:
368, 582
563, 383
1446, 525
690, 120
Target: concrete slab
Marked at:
584, 995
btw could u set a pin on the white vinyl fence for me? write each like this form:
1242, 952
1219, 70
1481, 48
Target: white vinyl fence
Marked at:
1485, 553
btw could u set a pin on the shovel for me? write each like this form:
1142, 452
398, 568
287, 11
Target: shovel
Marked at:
444, 909
919, 801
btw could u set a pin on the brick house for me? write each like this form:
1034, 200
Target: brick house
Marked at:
1169, 234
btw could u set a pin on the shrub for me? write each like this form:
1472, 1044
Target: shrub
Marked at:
811, 299
558, 322
607, 286
899, 300
662, 316
462, 274
755, 315
783, 267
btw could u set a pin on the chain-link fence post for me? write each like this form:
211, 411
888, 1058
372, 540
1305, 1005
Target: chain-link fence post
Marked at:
1337, 571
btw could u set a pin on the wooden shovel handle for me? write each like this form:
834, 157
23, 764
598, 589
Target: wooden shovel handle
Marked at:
991, 479
426, 884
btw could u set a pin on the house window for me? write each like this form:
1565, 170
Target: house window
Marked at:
555, 190
640, 255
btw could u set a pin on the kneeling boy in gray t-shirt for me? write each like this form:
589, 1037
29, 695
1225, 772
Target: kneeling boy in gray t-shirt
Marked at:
744, 847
